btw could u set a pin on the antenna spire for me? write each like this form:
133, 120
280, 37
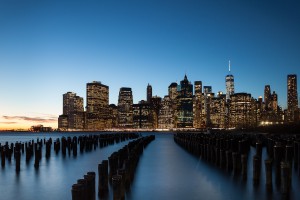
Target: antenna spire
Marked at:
229, 65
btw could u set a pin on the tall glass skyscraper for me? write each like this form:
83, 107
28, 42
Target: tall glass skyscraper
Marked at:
229, 79
185, 104
292, 97
125, 111
149, 93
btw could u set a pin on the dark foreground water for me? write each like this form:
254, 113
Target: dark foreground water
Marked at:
165, 171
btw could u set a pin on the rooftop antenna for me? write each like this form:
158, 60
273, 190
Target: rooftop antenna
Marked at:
229, 65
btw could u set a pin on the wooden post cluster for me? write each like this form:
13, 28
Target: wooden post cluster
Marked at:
33, 149
227, 151
123, 165
84, 189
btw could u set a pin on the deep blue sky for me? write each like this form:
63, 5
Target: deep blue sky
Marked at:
48, 48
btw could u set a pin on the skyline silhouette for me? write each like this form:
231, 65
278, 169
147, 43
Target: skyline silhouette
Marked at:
51, 47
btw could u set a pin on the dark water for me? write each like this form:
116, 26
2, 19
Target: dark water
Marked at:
165, 171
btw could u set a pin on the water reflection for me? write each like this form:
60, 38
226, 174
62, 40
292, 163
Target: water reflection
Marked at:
165, 171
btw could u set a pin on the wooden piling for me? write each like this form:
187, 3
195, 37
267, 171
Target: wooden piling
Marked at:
256, 169
268, 171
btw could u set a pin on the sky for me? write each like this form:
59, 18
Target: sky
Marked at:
50, 47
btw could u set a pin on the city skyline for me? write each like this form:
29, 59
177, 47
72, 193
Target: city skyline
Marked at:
53, 47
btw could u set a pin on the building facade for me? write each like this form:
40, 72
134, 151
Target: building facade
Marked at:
149, 92
218, 111
142, 115
73, 112
185, 104
166, 117
97, 106
292, 98
198, 106
242, 111
125, 111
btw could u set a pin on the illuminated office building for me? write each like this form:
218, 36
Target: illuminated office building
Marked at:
292, 98
185, 104
198, 106
155, 102
73, 112
125, 112
97, 106
242, 111
149, 93
142, 115
229, 79
172, 91
113, 110
267, 98
218, 111
166, 117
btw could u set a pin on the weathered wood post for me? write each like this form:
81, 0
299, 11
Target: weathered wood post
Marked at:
268, 167
256, 169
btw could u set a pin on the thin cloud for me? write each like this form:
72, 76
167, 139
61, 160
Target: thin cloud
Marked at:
32, 119
8, 122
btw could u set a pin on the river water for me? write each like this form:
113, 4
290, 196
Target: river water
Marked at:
165, 171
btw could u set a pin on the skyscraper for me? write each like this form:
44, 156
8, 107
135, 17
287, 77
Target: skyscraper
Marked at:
97, 97
73, 112
292, 97
207, 89
149, 93
185, 104
97, 106
173, 91
166, 119
242, 111
267, 97
229, 79
198, 107
125, 111
198, 88
155, 105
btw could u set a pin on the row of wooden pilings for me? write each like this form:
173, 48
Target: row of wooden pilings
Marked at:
230, 152
118, 170
34, 148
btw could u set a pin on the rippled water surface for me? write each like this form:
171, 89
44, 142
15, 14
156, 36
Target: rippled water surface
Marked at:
165, 171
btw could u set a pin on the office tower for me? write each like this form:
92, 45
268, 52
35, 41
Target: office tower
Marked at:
292, 98
155, 105
97, 106
259, 109
274, 99
207, 89
198, 106
208, 94
198, 88
113, 110
73, 112
218, 111
172, 91
166, 117
185, 104
229, 79
149, 93
267, 97
97, 97
142, 115
125, 112
68, 102
63, 123
242, 111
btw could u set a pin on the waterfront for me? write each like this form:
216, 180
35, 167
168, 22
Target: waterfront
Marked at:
165, 171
